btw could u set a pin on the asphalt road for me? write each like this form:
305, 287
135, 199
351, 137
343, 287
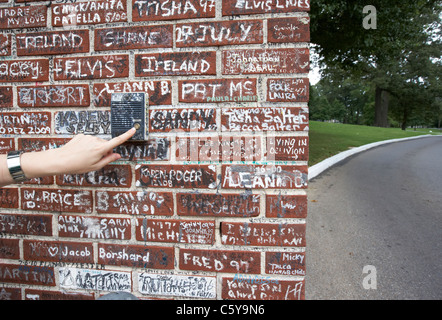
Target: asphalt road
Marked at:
380, 208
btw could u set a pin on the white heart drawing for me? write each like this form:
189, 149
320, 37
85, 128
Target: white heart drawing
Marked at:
53, 251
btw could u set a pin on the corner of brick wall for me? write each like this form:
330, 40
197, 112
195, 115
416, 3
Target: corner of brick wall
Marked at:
214, 204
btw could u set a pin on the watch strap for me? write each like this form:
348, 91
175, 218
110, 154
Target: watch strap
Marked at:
14, 166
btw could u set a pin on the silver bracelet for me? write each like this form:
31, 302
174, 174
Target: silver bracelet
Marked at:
13, 161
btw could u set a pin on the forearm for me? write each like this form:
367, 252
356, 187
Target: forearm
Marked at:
33, 164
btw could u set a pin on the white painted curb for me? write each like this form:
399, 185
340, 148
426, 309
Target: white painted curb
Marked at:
320, 167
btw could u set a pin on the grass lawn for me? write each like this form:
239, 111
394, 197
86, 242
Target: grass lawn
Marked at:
328, 139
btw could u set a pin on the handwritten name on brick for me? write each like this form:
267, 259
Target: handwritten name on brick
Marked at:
50, 43
160, 92
176, 231
89, 13
54, 96
109, 176
133, 38
285, 263
29, 224
24, 70
31, 275
86, 122
286, 206
94, 67
136, 256
134, 202
184, 119
58, 251
218, 205
288, 90
262, 289
235, 7
175, 64
56, 200
219, 33
296, 29
86, 227
264, 177
23, 17
268, 61
265, 118
25, 123
176, 176
263, 234
217, 90
220, 261
147, 10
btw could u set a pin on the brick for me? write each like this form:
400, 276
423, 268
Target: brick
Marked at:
58, 200
36, 70
263, 234
175, 64
6, 98
160, 92
147, 257
189, 286
152, 149
31, 294
86, 122
176, 231
40, 144
52, 42
88, 13
296, 29
214, 149
30, 225
145, 10
219, 33
6, 145
86, 227
285, 263
56, 251
286, 206
25, 123
9, 198
220, 261
288, 90
69, 95
109, 176
264, 177
217, 90
31, 275
23, 17
142, 37
287, 148
262, 288
92, 67
5, 45
264, 118
9, 249
265, 61
134, 202
10, 293
218, 205
95, 280
176, 176
240, 7
182, 119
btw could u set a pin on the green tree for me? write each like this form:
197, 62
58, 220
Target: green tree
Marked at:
383, 56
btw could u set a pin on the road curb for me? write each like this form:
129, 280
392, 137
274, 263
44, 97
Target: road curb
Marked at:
320, 167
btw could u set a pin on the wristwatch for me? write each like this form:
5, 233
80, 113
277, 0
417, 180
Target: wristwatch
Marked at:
13, 161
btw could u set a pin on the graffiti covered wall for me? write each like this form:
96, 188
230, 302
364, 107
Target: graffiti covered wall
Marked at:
214, 204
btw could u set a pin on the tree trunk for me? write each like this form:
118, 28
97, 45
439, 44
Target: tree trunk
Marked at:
381, 108
404, 119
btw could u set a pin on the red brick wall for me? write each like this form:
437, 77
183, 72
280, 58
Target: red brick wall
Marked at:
214, 204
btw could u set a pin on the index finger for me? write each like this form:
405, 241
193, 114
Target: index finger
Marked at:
115, 142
